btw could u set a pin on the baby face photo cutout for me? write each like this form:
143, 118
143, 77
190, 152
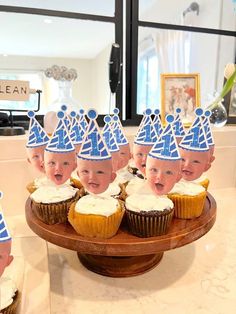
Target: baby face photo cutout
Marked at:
5, 244
110, 140
94, 164
121, 140
144, 141
164, 162
194, 150
59, 155
37, 141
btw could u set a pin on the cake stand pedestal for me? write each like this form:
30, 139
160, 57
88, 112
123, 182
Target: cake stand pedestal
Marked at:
124, 255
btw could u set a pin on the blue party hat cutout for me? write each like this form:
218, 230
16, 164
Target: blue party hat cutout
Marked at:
118, 129
195, 139
60, 141
4, 233
178, 125
207, 128
76, 131
66, 118
109, 136
93, 146
37, 136
157, 122
146, 134
166, 146
82, 120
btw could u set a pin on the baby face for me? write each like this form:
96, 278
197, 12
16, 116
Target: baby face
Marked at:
140, 153
193, 164
162, 174
35, 157
59, 166
5, 257
115, 156
95, 175
124, 155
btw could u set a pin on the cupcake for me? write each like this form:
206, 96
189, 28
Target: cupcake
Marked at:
75, 180
94, 216
135, 185
188, 199
39, 182
115, 189
51, 203
9, 296
148, 215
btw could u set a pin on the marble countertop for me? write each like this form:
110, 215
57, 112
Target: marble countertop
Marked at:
197, 278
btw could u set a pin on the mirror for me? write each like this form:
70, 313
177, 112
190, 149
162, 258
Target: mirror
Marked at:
32, 43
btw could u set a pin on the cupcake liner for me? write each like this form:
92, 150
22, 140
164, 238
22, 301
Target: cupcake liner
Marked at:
205, 183
56, 212
31, 187
96, 226
123, 194
187, 207
14, 306
149, 224
76, 183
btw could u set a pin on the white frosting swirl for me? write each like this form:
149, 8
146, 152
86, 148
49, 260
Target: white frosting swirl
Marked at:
123, 175
53, 194
137, 185
7, 292
96, 205
199, 180
187, 188
112, 190
74, 175
147, 203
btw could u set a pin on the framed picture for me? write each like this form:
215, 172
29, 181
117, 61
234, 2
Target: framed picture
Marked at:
230, 105
180, 90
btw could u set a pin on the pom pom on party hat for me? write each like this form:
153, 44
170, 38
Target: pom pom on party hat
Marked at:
178, 124
146, 133
207, 128
93, 146
76, 130
166, 146
109, 136
195, 139
4, 233
118, 129
157, 122
37, 135
60, 141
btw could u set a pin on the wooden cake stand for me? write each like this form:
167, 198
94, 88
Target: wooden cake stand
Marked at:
124, 255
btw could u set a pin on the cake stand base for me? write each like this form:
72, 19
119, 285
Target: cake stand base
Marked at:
120, 266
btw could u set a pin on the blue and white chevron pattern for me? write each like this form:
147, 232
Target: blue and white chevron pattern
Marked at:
109, 138
178, 127
208, 132
76, 132
146, 134
157, 125
37, 136
4, 233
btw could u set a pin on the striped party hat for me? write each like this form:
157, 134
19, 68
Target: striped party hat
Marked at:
4, 232
207, 127
157, 122
195, 139
109, 136
37, 136
146, 133
76, 130
60, 141
66, 118
118, 129
166, 146
178, 125
93, 146
82, 120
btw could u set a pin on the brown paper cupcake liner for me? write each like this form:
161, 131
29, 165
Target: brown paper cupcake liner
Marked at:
96, 226
13, 308
75, 183
149, 224
187, 207
55, 213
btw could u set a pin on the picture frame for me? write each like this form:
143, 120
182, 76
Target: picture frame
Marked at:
230, 105
180, 91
